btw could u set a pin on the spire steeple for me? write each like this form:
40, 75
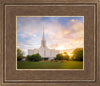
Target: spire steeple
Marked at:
43, 41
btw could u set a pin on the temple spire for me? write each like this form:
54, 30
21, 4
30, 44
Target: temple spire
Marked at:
43, 41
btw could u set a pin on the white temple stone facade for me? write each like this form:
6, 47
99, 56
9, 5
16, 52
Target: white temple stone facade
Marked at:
44, 51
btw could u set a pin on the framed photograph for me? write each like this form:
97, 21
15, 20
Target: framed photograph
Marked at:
52, 42
49, 43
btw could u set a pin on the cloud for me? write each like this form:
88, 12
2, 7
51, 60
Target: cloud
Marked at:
67, 31
72, 20
70, 33
54, 46
65, 36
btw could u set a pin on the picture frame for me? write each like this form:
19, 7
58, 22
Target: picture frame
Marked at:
9, 76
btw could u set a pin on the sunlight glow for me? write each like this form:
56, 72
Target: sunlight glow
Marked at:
63, 54
70, 55
61, 48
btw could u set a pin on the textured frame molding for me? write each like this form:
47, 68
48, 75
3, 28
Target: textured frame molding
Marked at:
39, 81
96, 82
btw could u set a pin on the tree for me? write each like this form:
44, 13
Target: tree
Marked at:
19, 54
62, 56
34, 57
29, 58
78, 54
58, 57
65, 56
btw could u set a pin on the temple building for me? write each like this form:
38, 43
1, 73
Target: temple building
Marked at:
44, 51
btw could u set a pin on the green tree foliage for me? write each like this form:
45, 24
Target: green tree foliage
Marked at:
62, 56
78, 54
65, 56
19, 54
34, 57
58, 57
29, 58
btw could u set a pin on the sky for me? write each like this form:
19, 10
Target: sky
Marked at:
60, 32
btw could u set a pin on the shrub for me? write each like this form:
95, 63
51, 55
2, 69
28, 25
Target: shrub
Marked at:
34, 57
78, 54
58, 57
62, 56
29, 58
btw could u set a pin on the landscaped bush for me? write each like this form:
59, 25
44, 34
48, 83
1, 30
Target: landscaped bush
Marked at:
52, 60
34, 57
29, 58
62, 56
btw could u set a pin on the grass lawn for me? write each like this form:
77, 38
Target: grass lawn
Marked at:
50, 65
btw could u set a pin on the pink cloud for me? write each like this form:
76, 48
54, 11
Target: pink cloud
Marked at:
73, 36
54, 46
70, 36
